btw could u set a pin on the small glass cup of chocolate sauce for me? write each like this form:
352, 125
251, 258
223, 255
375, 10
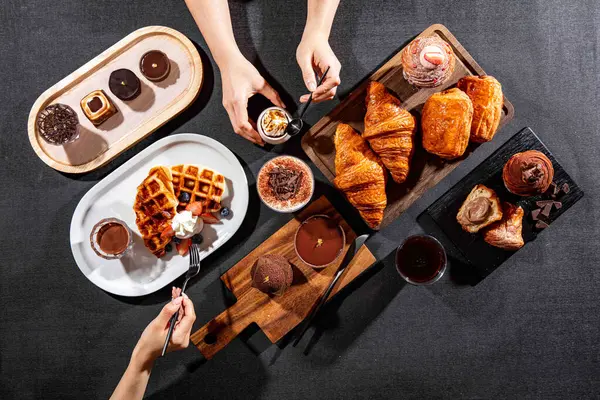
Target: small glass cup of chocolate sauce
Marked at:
319, 241
111, 238
421, 260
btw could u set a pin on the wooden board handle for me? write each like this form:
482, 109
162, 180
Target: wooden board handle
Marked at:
225, 327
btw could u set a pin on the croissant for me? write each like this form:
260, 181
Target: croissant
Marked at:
486, 94
360, 175
390, 130
506, 233
481, 208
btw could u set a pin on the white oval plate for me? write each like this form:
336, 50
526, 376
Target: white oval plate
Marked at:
139, 272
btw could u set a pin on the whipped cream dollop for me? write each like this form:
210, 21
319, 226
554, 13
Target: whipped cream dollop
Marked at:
186, 225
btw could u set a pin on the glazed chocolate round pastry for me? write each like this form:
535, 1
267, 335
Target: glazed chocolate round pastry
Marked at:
427, 62
528, 173
478, 209
155, 65
124, 84
58, 124
272, 274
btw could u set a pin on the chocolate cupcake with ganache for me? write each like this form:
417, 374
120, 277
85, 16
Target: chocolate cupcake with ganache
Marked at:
528, 173
124, 84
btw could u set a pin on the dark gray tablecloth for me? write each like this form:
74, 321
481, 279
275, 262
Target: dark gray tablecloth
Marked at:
529, 330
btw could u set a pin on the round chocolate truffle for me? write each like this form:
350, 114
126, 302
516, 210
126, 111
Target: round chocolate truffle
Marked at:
528, 173
58, 124
155, 65
124, 84
272, 274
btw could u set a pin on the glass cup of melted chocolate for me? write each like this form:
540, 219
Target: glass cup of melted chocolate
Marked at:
319, 241
111, 238
421, 260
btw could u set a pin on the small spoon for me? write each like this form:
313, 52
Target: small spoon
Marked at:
296, 124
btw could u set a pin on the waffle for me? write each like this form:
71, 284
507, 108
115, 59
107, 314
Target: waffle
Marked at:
155, 206
202, 184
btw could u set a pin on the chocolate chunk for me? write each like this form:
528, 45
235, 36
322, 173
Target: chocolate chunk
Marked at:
558, 205
541, 225
535, 214
565, 188
543, 203
546, 210
284, 183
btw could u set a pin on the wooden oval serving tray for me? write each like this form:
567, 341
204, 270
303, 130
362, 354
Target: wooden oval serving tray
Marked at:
157, 103
426, 170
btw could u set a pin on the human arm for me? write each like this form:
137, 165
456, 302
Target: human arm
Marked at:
315, 54
149, 347
239, 77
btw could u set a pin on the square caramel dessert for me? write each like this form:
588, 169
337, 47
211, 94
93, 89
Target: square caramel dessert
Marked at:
97, 107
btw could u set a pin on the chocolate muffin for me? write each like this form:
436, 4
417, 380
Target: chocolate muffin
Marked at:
272, 274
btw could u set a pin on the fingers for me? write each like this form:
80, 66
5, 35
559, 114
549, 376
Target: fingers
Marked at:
168, 310
308, 73
183, 329
328, 88
271, 94
238, 115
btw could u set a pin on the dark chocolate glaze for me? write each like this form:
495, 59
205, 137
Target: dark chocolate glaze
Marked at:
124, 84
155, 65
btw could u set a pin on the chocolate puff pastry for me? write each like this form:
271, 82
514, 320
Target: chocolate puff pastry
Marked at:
486, 94
507, 233
446, 123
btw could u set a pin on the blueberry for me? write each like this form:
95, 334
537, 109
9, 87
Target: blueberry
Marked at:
197, 239
168, 248
184, 197
225, 212
176, 240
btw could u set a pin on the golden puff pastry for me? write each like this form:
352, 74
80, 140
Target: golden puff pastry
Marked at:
360, 175
446, 123
486, 94
507, 233
390, 130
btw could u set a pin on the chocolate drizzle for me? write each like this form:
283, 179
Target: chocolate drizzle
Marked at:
284, 182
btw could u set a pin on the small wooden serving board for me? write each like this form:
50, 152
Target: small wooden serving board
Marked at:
157, 103
278, 315
426, 170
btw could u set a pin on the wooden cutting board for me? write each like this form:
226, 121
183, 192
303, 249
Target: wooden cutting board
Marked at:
426, 170
278, 315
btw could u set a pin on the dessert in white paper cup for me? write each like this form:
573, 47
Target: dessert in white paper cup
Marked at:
272, 123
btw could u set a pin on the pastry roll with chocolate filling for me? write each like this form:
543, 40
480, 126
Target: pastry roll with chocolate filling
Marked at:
481, 208
446, 123
486, 94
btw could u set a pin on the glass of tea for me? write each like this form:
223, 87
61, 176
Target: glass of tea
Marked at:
421, 260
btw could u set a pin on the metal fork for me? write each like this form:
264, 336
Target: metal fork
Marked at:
192, 272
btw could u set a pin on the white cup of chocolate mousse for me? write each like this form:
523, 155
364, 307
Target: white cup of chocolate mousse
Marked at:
272, 123
285, 184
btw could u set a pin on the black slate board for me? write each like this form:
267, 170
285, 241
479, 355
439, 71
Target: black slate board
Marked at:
475, 251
